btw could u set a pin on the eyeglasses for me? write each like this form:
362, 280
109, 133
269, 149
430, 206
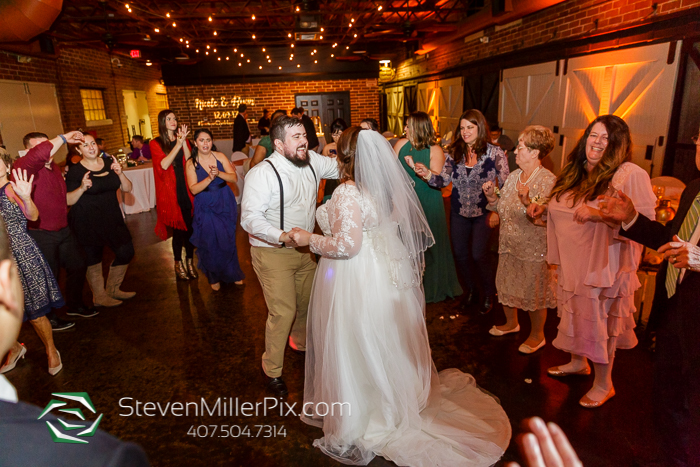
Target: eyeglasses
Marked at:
695, 140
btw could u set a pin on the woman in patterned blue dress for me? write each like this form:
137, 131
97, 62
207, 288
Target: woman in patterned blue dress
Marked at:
41, 292
215, 212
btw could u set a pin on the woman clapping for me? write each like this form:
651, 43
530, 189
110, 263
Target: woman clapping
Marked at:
97, 220
215, 212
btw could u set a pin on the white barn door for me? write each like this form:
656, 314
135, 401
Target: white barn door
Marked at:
449, 105
395, 109
636, 85
529, 96
427, 100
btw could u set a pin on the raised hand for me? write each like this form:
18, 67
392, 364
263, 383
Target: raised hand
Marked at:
421, 170
546, 446
524, 195
116, 166
74, 137
617, 208
182, 133
20, 184
86, 183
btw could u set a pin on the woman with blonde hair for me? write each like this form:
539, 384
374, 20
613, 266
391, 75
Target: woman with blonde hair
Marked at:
524, 280
419, 146
596, 267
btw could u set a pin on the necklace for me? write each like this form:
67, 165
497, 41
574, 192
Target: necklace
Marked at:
528, 178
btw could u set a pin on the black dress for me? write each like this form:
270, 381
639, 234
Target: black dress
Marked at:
96, 219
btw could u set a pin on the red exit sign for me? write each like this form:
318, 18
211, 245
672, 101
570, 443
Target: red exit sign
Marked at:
135, 54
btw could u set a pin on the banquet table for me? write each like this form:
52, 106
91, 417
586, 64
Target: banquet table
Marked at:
143, 193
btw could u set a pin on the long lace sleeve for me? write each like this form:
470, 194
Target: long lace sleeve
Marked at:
445, 177
345, 218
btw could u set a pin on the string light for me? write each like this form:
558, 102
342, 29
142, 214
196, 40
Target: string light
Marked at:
127, 6
292, 45
226, 58
188, 46
379, 8
149, 63
315, 61
260, 67
350, 25
298, 66
322, 30
267, 56
240, 64
208, 46
235, 50
332, 55
187, 42
215, 33
242, 55
219, 58
214, 50
291, 58
269, 61
157, 30
181, 39
263, 49
210, 20
197, 50
207, 53
297, 9
253, 36
289, 35
280, 68
174, 25
321, 37
352, 20
248, 61
253, 17
355, 35
167, 15
347, 48
129, 10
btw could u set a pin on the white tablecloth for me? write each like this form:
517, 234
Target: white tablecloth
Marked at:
143, 194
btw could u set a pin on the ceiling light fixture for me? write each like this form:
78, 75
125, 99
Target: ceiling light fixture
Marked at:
210, 19
242, 55
321, 38
248, 61
174, 25
235, 50
332, 55
240, 64
263, 49
321, 29
219, 58
260, 67
215, 33
379, 8
292, 45
214, 50
297, 10
167, 15
181, 39
208, 47
157, 30
289, 35
315, 61
149, 63
226, 58
298, 66
253, 36
280, 68
253, 17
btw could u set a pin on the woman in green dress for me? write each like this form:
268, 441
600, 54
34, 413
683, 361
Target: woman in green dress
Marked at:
440, 277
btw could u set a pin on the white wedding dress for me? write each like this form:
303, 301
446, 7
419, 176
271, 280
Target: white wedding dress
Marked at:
367, 345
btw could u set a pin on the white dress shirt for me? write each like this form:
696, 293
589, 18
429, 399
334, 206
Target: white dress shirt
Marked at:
261, 197
8, 393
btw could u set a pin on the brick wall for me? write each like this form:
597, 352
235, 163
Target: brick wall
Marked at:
364, 101
569, 20
77, 68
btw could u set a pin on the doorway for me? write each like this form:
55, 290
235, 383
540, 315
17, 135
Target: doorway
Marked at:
324, 108
138, 120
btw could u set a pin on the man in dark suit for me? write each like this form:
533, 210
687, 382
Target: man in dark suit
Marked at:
309, 126
241, 132
24, 439
675, 317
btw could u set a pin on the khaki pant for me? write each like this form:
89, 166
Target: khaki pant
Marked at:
286, 276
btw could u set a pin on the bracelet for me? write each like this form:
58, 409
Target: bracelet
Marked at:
65, 141
430, 175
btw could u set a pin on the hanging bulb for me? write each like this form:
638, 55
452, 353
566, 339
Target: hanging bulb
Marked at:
280, 68
241, 55
355, 35
292, 45
235, 50
263, 49
240, 64
127, 6
260, 67
210, 19
379, 8
174, 25
315, 61
226, 58
208, 47
215, 33
321, 29
269, 61
214, 50
253, 36
157, 30
219, 58
321, 37
248, 61
289, 35
181, 39
253, 17
167, 15
298, 66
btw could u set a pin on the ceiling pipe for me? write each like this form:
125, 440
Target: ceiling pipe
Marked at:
22, 20
485, 19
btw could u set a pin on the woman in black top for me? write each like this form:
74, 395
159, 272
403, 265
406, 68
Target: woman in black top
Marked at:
97, 221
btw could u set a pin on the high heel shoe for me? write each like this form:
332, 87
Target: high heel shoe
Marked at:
181, 271
53, 371
11, 365
589, 403
191, 270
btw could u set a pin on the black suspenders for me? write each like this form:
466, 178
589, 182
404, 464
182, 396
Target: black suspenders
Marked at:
279, 179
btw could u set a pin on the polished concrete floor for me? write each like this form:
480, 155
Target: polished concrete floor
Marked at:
180, 342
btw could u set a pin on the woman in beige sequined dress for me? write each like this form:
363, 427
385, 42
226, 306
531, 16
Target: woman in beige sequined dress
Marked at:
524, 280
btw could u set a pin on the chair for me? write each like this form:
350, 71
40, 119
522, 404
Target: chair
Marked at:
237, 156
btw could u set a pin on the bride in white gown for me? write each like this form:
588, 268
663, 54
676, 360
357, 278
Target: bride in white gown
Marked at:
367, 343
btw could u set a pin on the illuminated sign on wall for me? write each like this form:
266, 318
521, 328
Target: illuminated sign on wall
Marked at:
135, 53
221, 116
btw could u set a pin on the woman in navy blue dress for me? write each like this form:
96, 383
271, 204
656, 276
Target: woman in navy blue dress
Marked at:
41, 292
215, 212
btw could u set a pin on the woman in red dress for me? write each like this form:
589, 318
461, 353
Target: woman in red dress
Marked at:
170, 152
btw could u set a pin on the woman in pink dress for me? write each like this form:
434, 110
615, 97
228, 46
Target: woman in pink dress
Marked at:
597, 268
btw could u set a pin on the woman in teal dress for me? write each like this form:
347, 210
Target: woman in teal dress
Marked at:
440, 277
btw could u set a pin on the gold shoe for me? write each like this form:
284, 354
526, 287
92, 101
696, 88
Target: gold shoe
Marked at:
191, 270
589, 403
181, 272
556, 371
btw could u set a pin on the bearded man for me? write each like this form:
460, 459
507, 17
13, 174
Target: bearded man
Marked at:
279, 195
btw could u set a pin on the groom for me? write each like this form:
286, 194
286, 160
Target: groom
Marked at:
279, 195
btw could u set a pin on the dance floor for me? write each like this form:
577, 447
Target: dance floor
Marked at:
181, 342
